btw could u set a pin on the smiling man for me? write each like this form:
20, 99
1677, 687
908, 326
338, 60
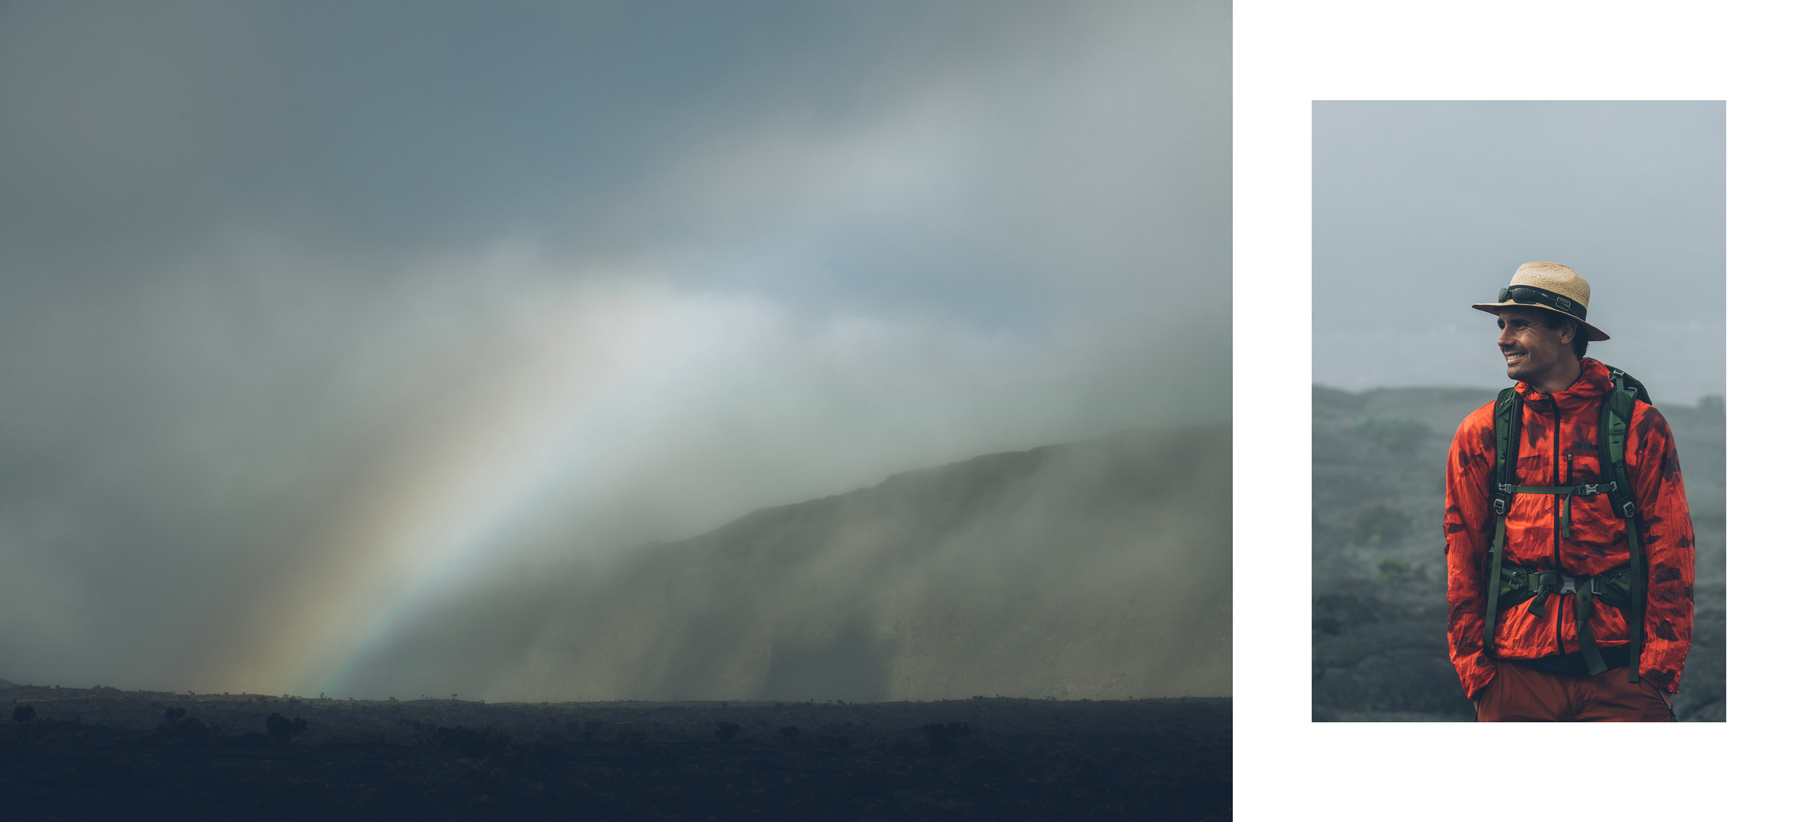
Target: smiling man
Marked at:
1569, 550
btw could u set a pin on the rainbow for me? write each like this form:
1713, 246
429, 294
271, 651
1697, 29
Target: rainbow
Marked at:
451, 457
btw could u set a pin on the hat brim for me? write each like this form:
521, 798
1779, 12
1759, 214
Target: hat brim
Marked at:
1594, 334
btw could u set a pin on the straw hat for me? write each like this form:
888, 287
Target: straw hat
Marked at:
1550, 286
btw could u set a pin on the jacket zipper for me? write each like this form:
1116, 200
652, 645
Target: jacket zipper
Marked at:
1556, 527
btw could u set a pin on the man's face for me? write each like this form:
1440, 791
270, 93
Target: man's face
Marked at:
1531, 348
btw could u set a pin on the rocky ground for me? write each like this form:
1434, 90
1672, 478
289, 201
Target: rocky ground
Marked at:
106, 754
1379, 650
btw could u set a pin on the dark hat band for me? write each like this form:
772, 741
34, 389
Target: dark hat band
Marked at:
1532, 295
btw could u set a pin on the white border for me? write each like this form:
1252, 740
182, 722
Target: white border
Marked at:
1286, 55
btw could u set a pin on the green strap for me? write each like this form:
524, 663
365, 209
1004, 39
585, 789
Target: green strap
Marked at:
1568, 513
1615, 419
1515, 586
1495, 553
1506, 453
1584, 632
1567, 492
1541, 585
1637, 596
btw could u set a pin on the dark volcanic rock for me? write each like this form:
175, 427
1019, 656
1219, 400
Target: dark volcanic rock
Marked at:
100, 755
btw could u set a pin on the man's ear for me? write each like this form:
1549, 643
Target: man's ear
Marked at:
1566, 334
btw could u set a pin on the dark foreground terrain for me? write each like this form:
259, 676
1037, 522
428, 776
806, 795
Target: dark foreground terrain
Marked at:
1379, 650
107, 754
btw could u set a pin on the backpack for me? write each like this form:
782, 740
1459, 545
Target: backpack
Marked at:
1621, 587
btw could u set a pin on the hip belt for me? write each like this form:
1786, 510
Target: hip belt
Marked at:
1518, 584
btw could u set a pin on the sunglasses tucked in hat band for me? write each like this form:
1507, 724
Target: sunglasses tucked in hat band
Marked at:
1551, 287
1528, 294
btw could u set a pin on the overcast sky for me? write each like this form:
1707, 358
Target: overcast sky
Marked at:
330, 306
1421, 209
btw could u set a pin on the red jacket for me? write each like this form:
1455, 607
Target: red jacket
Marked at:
1559, 445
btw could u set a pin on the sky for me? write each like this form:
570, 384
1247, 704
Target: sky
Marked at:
1421, 209
312, 313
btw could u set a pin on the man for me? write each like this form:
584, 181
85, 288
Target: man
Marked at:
1568, 594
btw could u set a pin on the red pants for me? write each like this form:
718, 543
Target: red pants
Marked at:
1521, 694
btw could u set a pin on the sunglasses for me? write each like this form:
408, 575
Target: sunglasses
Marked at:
1537, 296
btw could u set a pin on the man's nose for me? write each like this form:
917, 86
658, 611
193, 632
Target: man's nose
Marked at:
1506, 335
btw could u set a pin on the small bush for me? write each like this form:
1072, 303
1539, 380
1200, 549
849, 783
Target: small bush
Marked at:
726, 731
282, 729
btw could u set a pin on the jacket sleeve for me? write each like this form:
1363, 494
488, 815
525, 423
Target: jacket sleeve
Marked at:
1468, 532
1668, 542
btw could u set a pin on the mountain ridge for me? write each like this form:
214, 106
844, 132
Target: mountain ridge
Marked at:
1096, 569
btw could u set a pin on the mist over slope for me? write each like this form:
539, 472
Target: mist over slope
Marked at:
1099, 569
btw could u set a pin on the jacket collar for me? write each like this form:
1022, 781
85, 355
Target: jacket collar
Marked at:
1595, 379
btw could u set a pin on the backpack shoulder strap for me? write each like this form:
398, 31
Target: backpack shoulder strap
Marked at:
1615, 427
1507, 409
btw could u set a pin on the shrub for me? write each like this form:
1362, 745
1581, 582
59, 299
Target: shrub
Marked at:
22, 715
943, 738
191, 729
282, 729
726, 731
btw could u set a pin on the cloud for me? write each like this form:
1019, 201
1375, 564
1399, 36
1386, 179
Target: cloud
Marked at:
296, 335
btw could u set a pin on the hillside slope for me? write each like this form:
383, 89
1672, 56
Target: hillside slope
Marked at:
1099, 569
